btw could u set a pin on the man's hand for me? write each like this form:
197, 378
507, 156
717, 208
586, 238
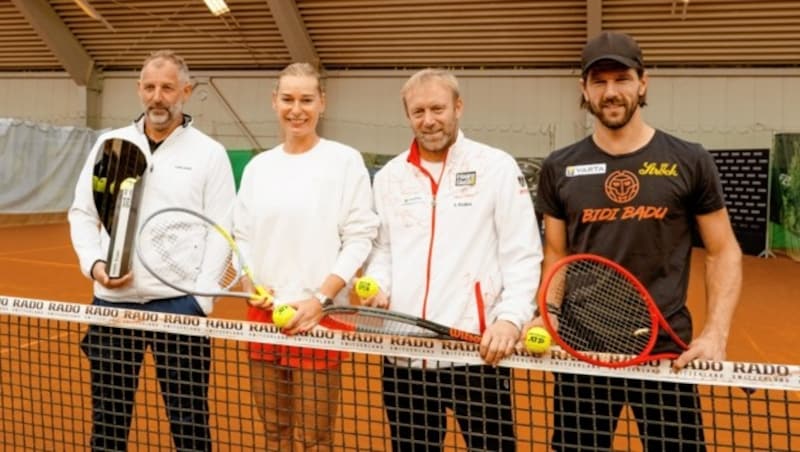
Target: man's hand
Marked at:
499, 341
537, 321
100, 275
707, 346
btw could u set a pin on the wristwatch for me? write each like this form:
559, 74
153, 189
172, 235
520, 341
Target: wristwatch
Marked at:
323, 299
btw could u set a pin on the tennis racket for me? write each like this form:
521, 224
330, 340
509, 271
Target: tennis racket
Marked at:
598, 312
364, 319
116, 189
193, 254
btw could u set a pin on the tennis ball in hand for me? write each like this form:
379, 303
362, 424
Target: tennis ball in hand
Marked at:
537, 340
367, 287
282, 315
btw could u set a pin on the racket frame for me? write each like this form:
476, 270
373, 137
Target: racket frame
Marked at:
548, 310
242, 270
438, 330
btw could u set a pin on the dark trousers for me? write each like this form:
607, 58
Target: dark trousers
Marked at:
182, 367
587, 409
479, 396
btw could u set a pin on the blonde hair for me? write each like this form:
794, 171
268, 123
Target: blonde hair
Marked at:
431, 74
300, 69
171, 56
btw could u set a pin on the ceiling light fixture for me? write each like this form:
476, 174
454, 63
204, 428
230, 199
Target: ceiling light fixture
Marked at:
217, 7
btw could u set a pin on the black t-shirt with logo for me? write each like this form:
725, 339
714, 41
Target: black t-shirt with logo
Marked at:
637, 209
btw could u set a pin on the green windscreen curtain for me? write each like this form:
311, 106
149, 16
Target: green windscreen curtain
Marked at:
239, 159
785, 194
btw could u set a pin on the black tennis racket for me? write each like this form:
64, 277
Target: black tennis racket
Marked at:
116, 188
117, 160
364, 319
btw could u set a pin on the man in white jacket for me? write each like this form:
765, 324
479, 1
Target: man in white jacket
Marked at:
184, 168
458, 244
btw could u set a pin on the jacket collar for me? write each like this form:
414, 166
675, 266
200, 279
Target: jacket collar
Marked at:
415, 158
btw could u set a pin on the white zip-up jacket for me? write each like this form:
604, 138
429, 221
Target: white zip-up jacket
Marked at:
189, 169
465, 252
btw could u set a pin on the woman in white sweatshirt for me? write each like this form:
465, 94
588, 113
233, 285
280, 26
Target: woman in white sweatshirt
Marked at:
303, 220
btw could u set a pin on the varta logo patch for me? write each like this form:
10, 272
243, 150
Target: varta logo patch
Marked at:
586, 170
467, 178
659, 169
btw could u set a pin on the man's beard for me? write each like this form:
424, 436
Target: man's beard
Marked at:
615, 124
439, 145
160, 117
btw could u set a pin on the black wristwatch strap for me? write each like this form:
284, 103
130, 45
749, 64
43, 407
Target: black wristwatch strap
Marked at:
323, 299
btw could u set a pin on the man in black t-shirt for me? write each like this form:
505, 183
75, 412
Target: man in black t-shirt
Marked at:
633, 194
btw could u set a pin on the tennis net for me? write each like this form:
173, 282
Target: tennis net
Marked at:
46, 391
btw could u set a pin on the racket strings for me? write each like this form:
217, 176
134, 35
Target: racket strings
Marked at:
188, 253
602, 311
120, 160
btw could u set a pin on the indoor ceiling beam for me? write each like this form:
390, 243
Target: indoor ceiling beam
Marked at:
58, 38
594, 18
293, 30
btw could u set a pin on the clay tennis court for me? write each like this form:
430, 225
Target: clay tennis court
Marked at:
54, 413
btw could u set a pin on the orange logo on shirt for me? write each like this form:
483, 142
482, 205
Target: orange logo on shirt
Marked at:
621, 186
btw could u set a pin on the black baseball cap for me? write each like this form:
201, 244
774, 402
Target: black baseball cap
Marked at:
610, 45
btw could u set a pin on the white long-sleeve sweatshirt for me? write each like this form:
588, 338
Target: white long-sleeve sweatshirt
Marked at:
189, 169
300, 217
464, 253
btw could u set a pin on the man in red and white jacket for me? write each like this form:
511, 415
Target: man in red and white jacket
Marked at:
459, 245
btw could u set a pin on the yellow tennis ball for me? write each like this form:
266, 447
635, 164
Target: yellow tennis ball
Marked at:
99, 184
282, 315
367, 287
537, 340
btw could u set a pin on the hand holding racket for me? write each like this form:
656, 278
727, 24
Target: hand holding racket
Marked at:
598, 311
371, 320
365, 319
193, 254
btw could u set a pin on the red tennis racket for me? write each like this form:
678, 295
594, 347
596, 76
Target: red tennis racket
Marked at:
598, 312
